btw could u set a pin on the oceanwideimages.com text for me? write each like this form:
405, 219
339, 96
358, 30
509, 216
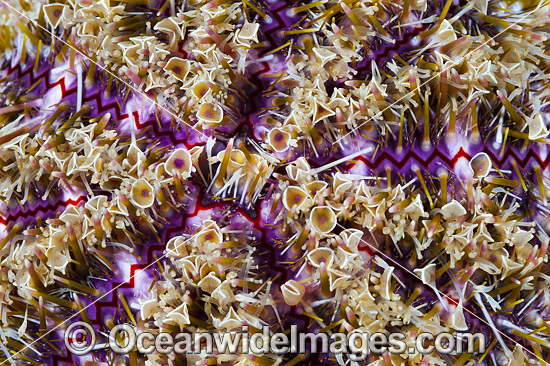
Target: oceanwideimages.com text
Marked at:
81, 338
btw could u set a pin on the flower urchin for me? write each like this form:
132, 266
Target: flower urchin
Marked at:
336, 166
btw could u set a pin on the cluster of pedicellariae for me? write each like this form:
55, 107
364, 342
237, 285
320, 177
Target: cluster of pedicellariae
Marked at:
465, 235
471, 242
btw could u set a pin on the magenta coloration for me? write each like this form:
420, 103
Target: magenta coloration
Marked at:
345, 166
